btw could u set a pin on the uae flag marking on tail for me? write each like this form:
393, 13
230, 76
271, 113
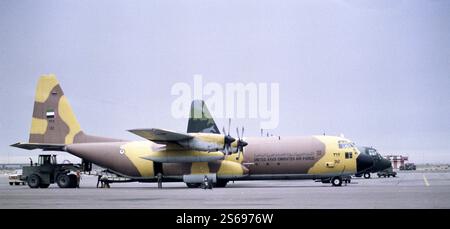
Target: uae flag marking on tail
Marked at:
50, 113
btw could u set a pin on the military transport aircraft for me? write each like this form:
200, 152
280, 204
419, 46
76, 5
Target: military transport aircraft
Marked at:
201, 153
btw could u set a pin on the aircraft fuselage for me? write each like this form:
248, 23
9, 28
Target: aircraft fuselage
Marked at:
263, 158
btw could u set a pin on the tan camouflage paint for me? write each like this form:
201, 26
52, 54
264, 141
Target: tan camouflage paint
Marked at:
298, 155
127, 158
64, 126
333, 155
215, 138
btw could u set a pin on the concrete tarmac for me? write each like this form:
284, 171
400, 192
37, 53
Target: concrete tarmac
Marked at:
408, 190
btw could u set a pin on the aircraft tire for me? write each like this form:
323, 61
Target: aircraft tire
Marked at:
209, 184
221, 184
366, 175
336, 181
11, 183
34, 181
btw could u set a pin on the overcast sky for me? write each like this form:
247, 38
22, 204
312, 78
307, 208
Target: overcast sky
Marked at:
376, 71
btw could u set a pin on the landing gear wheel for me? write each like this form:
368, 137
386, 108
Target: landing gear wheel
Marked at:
366, 175
11, 183
63, 181
193, 185
221, 184
209, 184
34, 181
336, 181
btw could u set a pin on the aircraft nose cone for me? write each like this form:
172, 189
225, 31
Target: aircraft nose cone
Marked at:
385, 164
363, 162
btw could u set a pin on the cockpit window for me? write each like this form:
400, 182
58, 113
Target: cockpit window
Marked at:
373, 152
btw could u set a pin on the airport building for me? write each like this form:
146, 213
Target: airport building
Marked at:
396, 160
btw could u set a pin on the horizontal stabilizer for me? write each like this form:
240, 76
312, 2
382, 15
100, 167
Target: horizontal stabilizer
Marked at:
45, 147
160, 136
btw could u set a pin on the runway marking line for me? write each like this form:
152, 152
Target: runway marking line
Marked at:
425, 180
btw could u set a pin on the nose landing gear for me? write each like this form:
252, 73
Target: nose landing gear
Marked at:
337, 180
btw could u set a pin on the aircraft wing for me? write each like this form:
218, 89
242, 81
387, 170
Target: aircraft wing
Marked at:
160, 135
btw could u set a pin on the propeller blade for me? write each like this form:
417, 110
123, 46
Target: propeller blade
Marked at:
237, 132
229, 124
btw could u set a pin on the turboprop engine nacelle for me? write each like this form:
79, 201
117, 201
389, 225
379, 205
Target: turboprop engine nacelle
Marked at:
207, 142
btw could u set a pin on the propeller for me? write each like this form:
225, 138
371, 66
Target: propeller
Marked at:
240, 143
228, 139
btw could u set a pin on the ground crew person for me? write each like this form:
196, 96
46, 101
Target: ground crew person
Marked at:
99, 180
104, 181
207, 184
78, 178
159, 180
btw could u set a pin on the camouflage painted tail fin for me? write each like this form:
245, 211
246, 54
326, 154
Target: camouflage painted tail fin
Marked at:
200, 120
54, 125
53, 120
